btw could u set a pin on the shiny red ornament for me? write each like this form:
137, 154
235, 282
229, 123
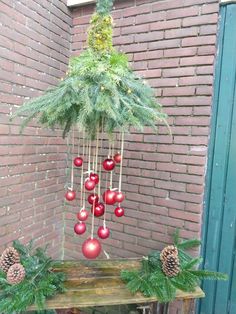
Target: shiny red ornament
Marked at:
80, 228
109, 197
70, 195
93, 198
94, 177
83, 215
98, 210
117, 158
89, 185
109, 164
91, 248
103, 232
119, 211
119, 197
101, 205
78, 161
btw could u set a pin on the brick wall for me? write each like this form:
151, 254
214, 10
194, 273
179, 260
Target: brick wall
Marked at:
34, 51
172, 44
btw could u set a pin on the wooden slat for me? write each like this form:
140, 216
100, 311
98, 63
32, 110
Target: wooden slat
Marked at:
98, 283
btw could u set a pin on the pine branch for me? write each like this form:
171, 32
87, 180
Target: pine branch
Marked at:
194, 262
206, 274
39, 283
189, 244
104, 6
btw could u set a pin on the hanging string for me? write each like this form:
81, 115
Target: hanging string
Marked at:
112, 154
78, 143
95, 158
72, 160
89, 157
96, 155
121, 163
84, 193
105, 205
100, 173
92, 228
82, 176
109, 148
93, 163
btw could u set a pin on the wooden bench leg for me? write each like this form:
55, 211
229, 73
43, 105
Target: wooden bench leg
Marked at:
186, 306
75, 311
164, 308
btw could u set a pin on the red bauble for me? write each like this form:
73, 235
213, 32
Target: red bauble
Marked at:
101, 205
89, 185
78, 161
103, 233
80, 228
83, 215
93, 198
91, 248
109, 197
70, 195
98, 210
119, 211
94, 177
119, 197
109, 164
117, 158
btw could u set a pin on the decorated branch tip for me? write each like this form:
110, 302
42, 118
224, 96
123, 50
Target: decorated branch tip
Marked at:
162, 273
26, 278
99, 91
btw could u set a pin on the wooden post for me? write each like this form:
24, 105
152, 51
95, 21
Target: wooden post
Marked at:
75, 311
186, 306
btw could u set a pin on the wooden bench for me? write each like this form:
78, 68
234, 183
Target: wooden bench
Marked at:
98, 283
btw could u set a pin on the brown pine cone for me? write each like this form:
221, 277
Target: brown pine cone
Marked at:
9, 257
170, 266
168, 250
15, 274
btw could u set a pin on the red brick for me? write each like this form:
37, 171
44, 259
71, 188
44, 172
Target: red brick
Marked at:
182, 32
198, 41
150, 17
163, 25
210, 8
179, 91
180, 52
204, 19
197, 60
182, 12
208, 29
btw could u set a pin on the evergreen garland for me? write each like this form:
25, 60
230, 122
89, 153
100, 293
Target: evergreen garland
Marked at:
100, 89
151, 281
39, 284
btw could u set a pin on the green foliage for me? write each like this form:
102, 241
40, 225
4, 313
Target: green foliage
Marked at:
104, 6
39, 284
100, 33
99, 90
151, 280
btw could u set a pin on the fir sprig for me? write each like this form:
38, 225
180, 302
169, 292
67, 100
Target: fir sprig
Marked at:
151, 280
99, 89
39, 284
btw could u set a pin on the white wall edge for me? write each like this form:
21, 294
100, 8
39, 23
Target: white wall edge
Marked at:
74, 3
227, 1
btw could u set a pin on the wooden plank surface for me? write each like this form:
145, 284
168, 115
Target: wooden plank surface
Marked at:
98, 283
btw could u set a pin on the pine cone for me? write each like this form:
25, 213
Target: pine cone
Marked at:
9, 257
15, 274
168, 250
170, 261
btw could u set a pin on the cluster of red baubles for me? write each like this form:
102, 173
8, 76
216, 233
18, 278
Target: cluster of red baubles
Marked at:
91, 247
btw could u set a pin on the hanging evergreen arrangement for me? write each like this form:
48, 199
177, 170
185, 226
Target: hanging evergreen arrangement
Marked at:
100, 89
28, 281
100, 95
162, 273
